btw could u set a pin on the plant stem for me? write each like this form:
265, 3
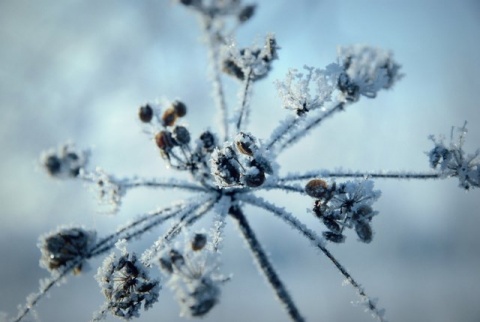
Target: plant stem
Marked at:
265, 265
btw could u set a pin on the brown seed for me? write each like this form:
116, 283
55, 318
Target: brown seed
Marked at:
164, 141
316, 188
180, 108
169, 117
145, 113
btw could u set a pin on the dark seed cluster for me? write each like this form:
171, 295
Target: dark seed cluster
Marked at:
346, 205
66, 246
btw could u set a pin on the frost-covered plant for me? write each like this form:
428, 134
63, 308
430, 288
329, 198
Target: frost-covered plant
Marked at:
227, 168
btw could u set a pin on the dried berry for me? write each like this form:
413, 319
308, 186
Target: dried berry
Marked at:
169, 117
199, 241
179, 108
317, 188
145, 113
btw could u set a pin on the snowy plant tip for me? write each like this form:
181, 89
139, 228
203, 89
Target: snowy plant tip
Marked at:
452, 161
344, 205
65, 247
126, 284
367, 70
192, 276
249, 63
362, 70
65, 162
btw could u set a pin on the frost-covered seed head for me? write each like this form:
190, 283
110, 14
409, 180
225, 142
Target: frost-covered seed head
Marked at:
66, 162
145, 113
65, 246
126, 285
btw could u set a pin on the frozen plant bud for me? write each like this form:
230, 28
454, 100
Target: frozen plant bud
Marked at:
317, 188
179, 108
52, 164
254, 177
230, 67
202, 298
169, 117
333, 237
164, 141
225, 167
181, 135
64, 163
145, 113
126, 285
208, 141
199, 241
245, 143
364, 231
66, 246
246, 13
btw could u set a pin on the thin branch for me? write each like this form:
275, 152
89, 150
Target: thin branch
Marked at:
188, 216
244, 108
265, 265
310, 125
317, 242
218, 92
135, 229
285, 187
288, 126
359, 174
45, 286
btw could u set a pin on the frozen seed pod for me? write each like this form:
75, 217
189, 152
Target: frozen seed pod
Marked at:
317, 188
181, 135
246, 13
169, 117
245, 143
254, 177
145, 113
164, 141
334, 237
364, 231
199, 241
208, 141
180, 108
52, 164
66, 246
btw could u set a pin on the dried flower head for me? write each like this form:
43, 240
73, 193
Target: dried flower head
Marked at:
65, 247
126, 284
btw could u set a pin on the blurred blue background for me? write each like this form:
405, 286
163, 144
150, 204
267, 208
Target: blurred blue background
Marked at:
78, 70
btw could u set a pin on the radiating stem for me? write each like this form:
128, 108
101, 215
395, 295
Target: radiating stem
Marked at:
218, 92
301, 132
317, 242
264, 264
349, 174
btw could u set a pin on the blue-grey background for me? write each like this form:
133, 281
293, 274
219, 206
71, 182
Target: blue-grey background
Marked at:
77, 70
